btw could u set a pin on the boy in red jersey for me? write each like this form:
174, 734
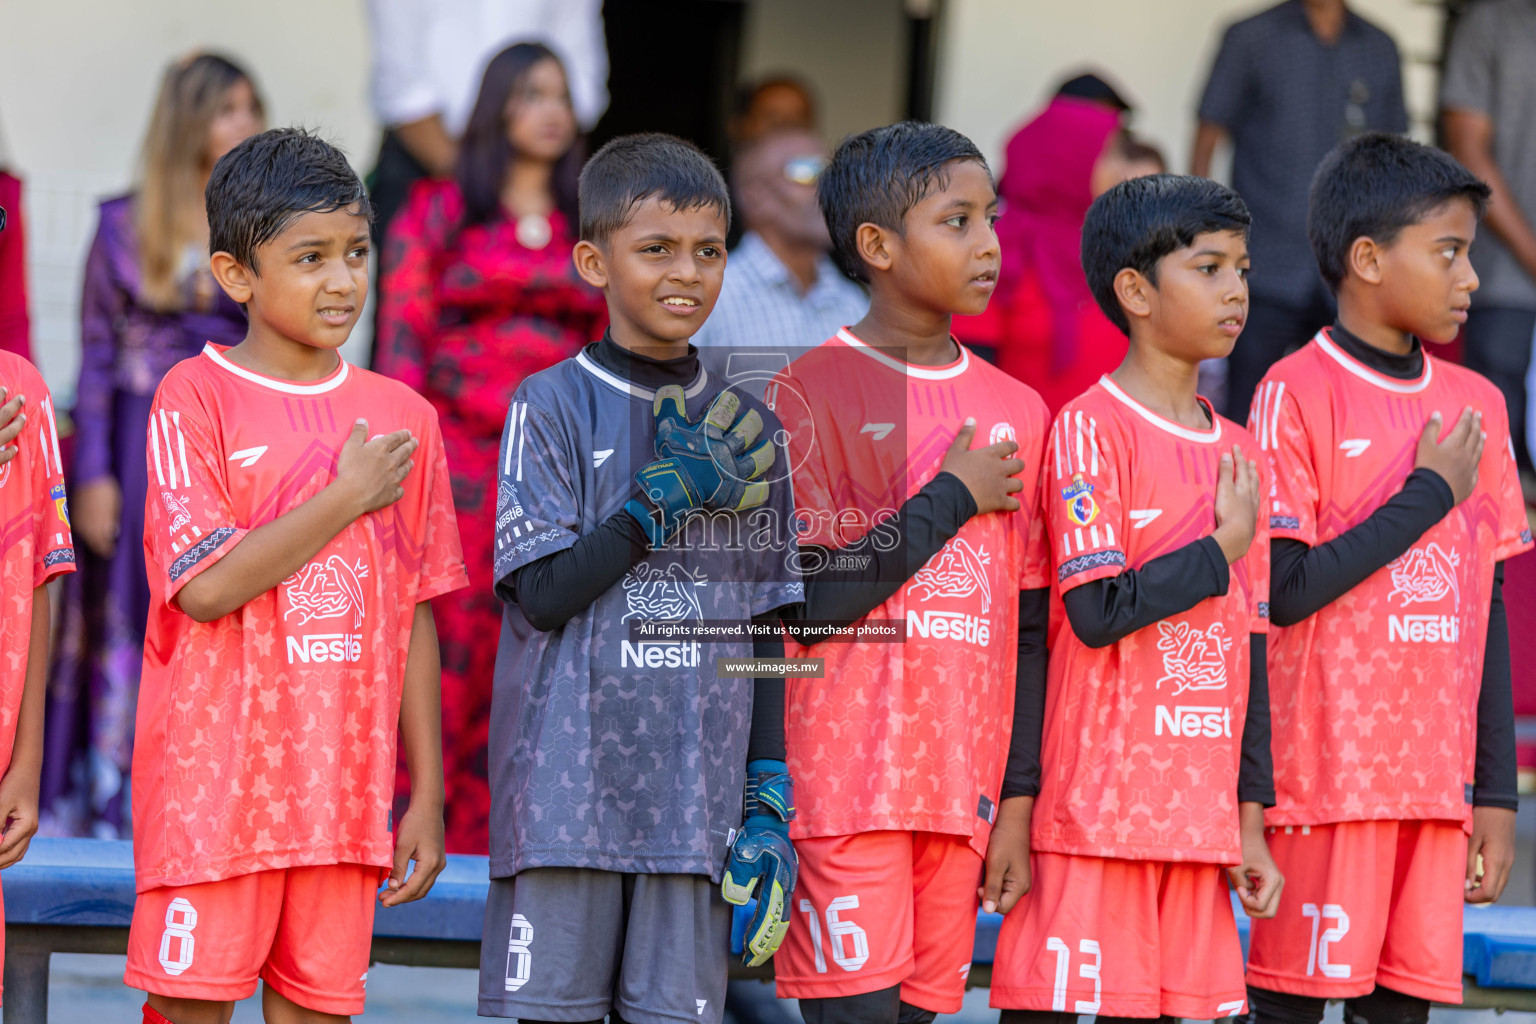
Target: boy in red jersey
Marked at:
1155, 763
35, 547
1394, 729
898, 751
298, 521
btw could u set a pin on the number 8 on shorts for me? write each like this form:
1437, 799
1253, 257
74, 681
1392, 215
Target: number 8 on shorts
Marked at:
180, 919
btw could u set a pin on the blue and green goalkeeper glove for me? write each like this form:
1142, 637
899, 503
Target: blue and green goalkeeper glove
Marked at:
762, 861
712, 464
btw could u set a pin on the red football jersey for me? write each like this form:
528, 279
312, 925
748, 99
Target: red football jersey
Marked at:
35, 544
1374, 698
266, 738
1143, 738
910, 736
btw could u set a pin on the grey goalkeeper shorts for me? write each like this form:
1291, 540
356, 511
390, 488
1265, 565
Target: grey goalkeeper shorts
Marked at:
573, 944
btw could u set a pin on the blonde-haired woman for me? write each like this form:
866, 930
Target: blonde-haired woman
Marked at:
149, 302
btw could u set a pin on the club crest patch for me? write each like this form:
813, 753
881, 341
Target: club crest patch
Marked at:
60, 503
1081, 508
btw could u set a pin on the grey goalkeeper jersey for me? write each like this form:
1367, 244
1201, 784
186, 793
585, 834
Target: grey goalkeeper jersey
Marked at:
608, 751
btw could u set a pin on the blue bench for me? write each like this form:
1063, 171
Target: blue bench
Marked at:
76, 896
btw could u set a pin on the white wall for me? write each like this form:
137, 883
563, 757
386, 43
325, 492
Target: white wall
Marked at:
852, 52
78, 77
999, 59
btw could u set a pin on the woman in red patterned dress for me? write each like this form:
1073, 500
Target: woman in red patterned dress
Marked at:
479, 293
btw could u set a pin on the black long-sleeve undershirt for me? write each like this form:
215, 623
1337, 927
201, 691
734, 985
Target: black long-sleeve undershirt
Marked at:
1021, 775
845, 584
1256, 774
556, 588
1105, 611
766, 741
1304, 580
1495, 770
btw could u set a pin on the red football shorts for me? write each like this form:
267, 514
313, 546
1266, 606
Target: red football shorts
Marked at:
1365, 902
304, 931
1121, 938
878, 909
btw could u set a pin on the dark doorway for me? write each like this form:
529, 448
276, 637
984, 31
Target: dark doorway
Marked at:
672, 68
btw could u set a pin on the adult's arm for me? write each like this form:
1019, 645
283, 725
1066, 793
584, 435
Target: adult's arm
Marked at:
1468, 91
1469, 136
1207, 137
1223, 102
1304, 580
1495, 770
1103, 611
428, 141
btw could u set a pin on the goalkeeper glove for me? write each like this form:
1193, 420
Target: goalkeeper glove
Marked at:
762, 861
712, 464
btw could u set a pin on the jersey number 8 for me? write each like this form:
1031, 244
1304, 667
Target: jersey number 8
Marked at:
180, 919
519, 956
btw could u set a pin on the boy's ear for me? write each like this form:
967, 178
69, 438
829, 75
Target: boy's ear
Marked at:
1134, 293
591, 264
1364, 260
233, 276
874, 243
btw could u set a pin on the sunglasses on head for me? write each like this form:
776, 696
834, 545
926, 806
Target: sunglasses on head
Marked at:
804, 170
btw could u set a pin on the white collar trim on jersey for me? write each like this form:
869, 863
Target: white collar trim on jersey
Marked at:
1177, 430
620, 384
1365, 373
287, 387
954, 369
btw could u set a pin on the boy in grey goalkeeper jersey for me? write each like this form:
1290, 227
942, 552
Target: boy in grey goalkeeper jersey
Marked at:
618, 763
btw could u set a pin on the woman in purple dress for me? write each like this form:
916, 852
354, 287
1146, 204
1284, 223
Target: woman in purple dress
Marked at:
149, 303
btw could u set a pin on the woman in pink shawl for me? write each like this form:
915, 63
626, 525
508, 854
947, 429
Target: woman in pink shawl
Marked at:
1042, 322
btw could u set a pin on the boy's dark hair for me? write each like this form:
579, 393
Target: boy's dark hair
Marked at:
875, 177
633, 168
1138, 222
259, 187
1373, 186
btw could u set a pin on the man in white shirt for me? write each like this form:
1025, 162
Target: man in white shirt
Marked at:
428, 59
428, 56
781, 290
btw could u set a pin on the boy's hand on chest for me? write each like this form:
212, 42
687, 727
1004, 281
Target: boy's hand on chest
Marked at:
369, 472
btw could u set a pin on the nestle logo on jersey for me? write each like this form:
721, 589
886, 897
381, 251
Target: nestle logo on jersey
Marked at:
1423, 629
970, 629
1189, 722
659, 655
319, 648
